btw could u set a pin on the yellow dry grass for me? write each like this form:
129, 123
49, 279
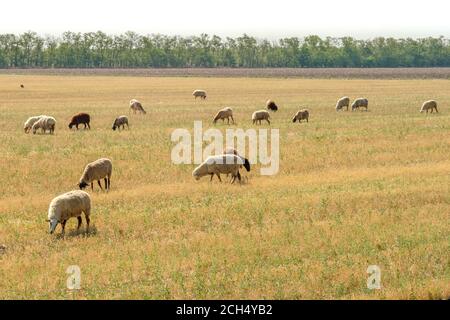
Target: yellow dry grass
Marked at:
354, 189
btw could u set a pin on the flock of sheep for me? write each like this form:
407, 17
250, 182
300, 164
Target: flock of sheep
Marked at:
74, 203
48, 123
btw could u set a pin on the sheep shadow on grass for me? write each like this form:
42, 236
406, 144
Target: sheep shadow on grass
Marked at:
77, 233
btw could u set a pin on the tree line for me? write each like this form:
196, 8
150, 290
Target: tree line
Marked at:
132, 50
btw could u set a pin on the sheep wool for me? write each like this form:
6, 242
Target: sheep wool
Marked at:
97, 170
360, 103
219, 164
429, 105
342, 102
69, 205
199, 93
259, 115
301, 115
225, 113
120, 122
136, 106
271, 105
30, 121
44, 123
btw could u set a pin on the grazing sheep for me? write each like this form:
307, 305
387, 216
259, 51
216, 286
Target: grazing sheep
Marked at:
260, 115
234, 151
199, 93
29, 123
215, 165
97, 170
225, 113
271, 105
44, 123
301, 115
136, 106
342, 102
429, 105
360, 103
120, 121
69, 205
81, 118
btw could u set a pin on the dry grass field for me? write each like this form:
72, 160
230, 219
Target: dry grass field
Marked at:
354, 189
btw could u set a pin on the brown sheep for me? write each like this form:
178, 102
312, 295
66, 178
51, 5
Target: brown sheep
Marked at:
301, 115
342, 102
80, 118
137, 106
199, 93
225, 113
360, 103
429, 105
271, 105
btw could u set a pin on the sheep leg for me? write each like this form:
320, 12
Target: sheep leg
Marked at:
76, 126
233, 179
268, 121
232, 119
106, 184
92, 186
212, 175
79, 222
63, 225
218, 176
87, 223
98, 181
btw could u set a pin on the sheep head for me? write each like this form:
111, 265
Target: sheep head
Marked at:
82, 185
52, 225
247, 164
200, 171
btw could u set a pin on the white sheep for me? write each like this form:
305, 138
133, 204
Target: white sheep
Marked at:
342, 102
219, 164
30, 121
44, 123
429, 105
360, 103
302, 114
260, 115
69, 205
136, 106
225, 113
199, 93
120, 121
97, 170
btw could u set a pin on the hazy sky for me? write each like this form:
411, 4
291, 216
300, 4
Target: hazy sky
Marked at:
263, 18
